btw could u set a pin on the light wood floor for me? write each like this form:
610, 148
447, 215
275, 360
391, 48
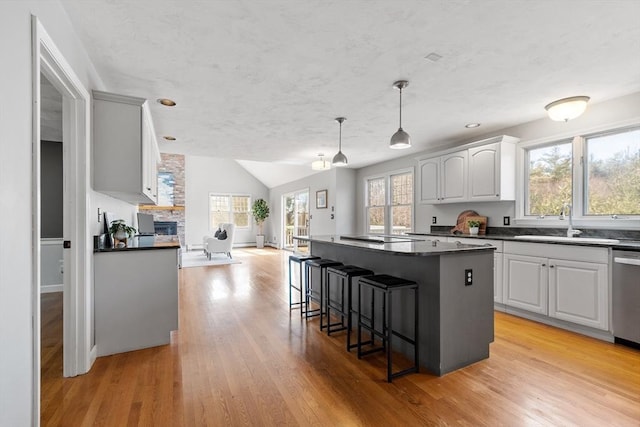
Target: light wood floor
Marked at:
239, 358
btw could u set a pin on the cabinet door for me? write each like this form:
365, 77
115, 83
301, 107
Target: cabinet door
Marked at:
430, 180
454, 177
578, 292
525, 281
484, 172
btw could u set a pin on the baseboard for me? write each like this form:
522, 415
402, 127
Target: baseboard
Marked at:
47, 289
562, 324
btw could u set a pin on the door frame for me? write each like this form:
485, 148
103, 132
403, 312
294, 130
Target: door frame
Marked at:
77, 296
293, 194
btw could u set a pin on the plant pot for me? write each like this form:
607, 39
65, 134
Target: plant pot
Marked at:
474, 230
260, 241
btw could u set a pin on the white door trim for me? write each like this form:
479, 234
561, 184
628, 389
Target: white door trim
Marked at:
46, 58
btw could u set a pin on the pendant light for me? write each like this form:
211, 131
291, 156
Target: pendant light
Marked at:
400, 139
340, 159
566, 109
321, 164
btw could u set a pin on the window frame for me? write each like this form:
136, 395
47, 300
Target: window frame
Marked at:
387, 202
579, 177
230, 212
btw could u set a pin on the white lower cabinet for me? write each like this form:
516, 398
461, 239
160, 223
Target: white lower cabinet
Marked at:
578, 292
570, 283
526, 280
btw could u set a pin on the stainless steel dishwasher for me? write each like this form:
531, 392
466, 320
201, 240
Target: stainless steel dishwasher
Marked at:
626, 296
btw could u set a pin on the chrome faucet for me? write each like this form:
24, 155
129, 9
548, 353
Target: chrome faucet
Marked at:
570, 231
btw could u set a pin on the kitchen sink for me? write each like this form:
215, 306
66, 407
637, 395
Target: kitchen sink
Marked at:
567, 239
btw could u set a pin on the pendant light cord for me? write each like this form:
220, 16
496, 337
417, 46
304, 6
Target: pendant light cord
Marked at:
400, 108
340, 140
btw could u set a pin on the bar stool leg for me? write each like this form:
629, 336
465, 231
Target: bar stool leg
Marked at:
388, 333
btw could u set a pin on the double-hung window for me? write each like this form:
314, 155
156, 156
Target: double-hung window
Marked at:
389, 203
229, 208
597, 174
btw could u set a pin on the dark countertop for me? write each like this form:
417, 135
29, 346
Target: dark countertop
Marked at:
399, 245
141, 243
623, 245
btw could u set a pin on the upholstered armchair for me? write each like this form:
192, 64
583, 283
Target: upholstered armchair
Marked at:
215, 244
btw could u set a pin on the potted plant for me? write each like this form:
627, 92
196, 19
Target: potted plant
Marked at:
260, 212
474, 226
121, 231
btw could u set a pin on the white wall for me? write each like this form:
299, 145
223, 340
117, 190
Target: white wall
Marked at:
607, 114
16, 288
204, 175
340, 186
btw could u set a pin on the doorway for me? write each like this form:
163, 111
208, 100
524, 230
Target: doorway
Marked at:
77, 299
295, 219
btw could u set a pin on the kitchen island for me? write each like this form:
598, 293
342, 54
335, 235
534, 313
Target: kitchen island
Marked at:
456, 316
136, 294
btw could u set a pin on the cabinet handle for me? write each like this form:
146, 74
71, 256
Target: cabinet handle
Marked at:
148, 188
551, 266
544, 265
497, 195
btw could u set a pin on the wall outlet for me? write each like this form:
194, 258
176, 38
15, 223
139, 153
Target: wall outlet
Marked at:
506, 220
468, 277
434, 220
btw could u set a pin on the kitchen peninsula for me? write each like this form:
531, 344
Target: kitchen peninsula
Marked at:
456, 316
136, 294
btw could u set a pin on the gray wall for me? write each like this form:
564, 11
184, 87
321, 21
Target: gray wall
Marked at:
51, 189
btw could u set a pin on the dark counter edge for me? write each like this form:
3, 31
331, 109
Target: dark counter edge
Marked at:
382, 248
511, 238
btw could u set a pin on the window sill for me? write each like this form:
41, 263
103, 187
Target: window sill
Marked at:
627, 223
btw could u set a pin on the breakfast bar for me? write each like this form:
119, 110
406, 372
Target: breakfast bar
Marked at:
455, 291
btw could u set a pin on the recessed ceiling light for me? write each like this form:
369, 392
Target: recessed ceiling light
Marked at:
169, 138
433, 57
472, 125
167, 102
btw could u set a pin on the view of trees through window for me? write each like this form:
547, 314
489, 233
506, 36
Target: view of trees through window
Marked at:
229, 208
550, 180
614, 174
399, 206
611, 165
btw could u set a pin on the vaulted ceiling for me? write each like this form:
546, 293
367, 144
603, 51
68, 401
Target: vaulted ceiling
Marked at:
261, 81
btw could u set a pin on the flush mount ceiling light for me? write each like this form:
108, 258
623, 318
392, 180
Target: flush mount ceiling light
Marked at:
321, 164
340, 159
472, 125
566, 109
167, 102
169, 138
400, 139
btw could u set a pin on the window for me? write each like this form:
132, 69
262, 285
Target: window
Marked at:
376, 197
613, 173
549, 176
389, 201
229, 208
598, 174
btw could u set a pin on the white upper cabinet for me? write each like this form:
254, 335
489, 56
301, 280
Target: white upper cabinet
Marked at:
483, 171
443, 179
454, 177
125, 150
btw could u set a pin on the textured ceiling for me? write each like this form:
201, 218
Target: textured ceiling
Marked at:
262, 80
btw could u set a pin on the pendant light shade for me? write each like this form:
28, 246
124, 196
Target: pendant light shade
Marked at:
566, 109
340, 159
321, 164
400, 139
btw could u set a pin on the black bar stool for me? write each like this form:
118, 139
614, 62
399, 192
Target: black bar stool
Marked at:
298, 259
343, 273
317, 293
387, 285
